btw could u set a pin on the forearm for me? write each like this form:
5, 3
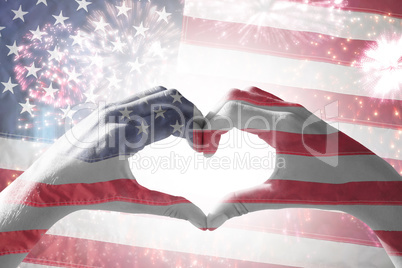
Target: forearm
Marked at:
22, 224
386, 222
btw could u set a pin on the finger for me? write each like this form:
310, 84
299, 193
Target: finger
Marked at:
232, 206
250, 118
154, 118
252, 96
131, 197
217, 122
273, 194
261, 92
251, 111
263, 116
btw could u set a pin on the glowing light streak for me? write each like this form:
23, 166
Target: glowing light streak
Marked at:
382, 66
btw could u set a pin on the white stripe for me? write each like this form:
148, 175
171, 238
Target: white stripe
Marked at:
384, 142
397, 260
378, 217
387, 142
295, 16
246, 115
71, 170
18, 154
32, 265
354, 167
382, 212
179, 236
247, 66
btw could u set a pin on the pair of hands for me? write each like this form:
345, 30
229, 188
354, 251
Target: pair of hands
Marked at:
87, 168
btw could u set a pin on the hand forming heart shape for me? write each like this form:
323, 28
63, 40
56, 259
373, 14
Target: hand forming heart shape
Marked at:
87, 168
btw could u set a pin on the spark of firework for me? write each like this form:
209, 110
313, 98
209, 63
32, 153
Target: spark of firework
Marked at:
382, 66
114, 54
132, 50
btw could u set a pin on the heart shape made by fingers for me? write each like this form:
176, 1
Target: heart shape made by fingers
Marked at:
324, 168
242, 161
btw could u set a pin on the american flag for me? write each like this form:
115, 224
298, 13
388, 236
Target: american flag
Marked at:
340, 58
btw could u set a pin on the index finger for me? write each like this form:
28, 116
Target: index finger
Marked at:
248, 111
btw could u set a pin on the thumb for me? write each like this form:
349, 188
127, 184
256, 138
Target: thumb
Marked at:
261, 197
229, 208
129, 196
187, 211
175, 207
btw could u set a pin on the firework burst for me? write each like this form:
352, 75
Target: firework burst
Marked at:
382, 67
128, 51
120, 50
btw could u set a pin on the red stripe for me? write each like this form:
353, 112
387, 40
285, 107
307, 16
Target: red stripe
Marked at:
260, 100
7, 176
350, 108
273, 41
384, 7
125, 190
89, 253
312, 144
377, 112
351, 193
392, 241
17, 242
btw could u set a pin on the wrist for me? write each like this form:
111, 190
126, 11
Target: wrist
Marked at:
22, 222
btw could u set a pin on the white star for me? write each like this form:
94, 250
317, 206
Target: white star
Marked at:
96, 60
19, 14
177, 127
100, 25
123, 9
67, 112
126, 113
140, 30
50, 91
55, 54
176, 97
160, 112
163, 15
118, 45
83, 4
13, 49
9, 86
41, 1
37, 34
27, 107
73, 75
135, 66
60, 18
156, 49
113, 81
143, 128
91, 97
1, 28
32, 70
77, 39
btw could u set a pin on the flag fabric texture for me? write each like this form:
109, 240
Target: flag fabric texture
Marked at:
88, 168
339, 58
325, 169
